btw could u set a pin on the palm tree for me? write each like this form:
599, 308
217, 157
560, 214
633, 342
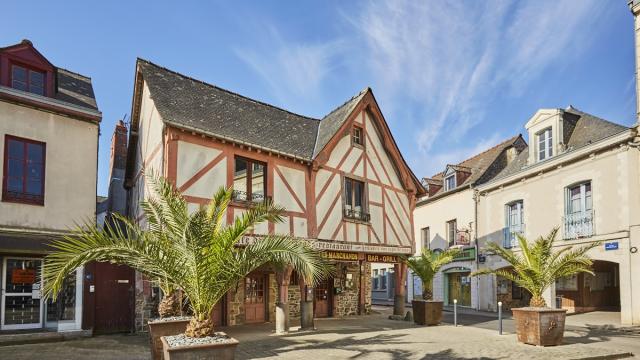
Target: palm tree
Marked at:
536, 266
193, 252
427, 265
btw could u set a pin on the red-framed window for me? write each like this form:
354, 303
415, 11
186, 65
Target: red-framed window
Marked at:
24, 166
249, 180
357, 136
28, 79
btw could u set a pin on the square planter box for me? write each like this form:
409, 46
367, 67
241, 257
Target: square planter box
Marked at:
427, 312
221, 351
160, 328
539, 326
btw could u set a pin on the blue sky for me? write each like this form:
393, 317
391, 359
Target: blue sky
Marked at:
452, 77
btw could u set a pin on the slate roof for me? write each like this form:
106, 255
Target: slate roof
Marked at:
478, 165
193, 104
587, 130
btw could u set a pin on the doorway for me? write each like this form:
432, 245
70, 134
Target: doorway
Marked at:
323, 299
459, 288
255, 286
114, 298
21, 305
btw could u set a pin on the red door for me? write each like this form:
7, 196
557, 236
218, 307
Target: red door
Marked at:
254, 298
217, 313
114, 298
322, 299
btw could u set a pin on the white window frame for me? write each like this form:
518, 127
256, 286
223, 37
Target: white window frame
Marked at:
451, 237
514, 223
544, 143
425, 238
451, 186
579, 222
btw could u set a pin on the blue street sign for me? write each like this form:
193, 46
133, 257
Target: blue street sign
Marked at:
611, 246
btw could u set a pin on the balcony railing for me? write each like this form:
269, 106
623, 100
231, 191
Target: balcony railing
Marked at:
579, 225
510, 235
356, 215
241, 196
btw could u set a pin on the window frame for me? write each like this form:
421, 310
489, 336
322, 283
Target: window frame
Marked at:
29, 70
361, 141
6, 195
249, 179
509, 225
546, 136
452, 241
425, 239
364, 212
446, 182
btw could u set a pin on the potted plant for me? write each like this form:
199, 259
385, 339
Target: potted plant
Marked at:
536, 267
426, 266
194, 251
172, 320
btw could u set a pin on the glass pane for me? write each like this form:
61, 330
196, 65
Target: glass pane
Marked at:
36, 90
21, 310
14, 184
258, 182
36, 78
34, 152
16, 149
348, 193
15, 167
240, 179
21, 275
359, 195
19, 73
34, 171
34, 187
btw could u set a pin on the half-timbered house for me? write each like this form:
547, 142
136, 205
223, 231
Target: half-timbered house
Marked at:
341, 179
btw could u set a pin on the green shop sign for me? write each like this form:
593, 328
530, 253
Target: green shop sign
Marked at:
466, 254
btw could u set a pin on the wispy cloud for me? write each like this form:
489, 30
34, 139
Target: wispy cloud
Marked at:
451, 59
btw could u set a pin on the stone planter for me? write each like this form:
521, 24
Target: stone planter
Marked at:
427, 312
217, 351
160, 328
539, 326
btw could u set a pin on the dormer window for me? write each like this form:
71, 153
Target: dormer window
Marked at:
358, 136
545, 144
26, 79
450, 182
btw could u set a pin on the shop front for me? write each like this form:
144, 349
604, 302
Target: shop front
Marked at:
457, 284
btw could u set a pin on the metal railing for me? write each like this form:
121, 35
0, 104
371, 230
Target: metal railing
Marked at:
242, 196
356, 215
510, 238
579, 225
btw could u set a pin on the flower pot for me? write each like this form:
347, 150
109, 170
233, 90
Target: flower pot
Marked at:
165, 327
427, 312
539, 326
224, 350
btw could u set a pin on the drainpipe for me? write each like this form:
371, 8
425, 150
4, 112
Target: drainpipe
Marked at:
476, 200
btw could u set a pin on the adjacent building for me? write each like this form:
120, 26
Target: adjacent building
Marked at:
341, 179
49, 128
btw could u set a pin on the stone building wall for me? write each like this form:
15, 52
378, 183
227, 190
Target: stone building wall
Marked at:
235, 305
146, 302
368, 284
346, 303
272, 297
293, 299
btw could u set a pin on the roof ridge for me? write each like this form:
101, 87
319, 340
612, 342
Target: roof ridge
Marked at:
225, 90
73, 72
348, 101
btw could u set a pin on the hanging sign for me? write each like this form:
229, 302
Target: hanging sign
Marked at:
382, 258
23, 276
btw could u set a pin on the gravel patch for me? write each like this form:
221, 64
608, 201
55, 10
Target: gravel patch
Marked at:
183, 340
170, 318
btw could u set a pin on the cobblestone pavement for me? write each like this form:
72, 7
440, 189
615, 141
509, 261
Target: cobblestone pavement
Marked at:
370, 337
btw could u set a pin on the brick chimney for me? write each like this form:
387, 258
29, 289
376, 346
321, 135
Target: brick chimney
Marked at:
117, 193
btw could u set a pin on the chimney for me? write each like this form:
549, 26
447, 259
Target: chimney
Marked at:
117, 193
634, 5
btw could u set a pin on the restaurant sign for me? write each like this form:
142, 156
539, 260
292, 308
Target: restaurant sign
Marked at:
377, 258
340, 246
341, 255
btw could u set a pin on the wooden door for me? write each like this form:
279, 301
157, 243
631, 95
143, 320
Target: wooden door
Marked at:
114, 298
218, 311
322, 298
255, 298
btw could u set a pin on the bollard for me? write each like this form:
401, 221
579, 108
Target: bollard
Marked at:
455, 312
500, 317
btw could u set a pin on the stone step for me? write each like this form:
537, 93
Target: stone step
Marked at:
21, 338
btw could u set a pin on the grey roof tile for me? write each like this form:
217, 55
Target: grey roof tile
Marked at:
75, 89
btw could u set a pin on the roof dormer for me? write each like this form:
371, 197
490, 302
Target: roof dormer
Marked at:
454, 176
24, 68
545, 134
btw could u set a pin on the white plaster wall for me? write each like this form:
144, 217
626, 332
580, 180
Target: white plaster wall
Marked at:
70, 168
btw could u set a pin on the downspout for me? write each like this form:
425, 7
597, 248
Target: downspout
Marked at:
476, 200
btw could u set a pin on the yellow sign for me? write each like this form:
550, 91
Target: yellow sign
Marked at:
382, 258
341, 255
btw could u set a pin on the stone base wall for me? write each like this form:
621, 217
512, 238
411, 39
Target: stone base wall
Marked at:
346, 303
235, 305
293, 299
272, 297
368, 284
147, 300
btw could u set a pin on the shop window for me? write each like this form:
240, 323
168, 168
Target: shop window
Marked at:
516, 291
249, 180
24, 164
383, 279
376, 280
355, 200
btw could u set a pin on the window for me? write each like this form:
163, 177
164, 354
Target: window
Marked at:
578, 220
24, 170
376, 280
451, 232
450, 182
383, 279
545, 144
27, 79
514, 223
354, 200
249, 180
358, 136
425, 238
